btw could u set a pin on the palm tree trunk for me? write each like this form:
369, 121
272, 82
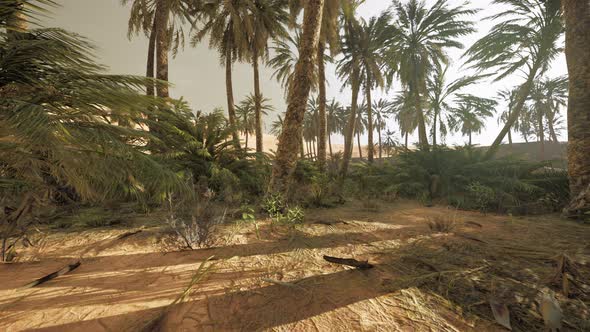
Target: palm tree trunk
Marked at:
510, 138
257, 102
434, 128
371, 152
422, 137
541, 135
246, 141
323, 123
17, 21
286, 157
161, 18
302, 147
552, 133
470, 138
330, 144
406, 141
577, 50
149, 73
521, 97
358, 137
379, 133
231, 111
350, 126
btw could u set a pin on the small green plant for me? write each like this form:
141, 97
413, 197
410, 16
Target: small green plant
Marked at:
273, 204
248, 216
295, 216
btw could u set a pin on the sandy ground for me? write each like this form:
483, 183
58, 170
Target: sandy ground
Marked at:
278, 282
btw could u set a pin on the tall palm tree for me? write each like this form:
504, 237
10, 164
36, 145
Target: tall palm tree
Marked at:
266, 19
328, 36
373, 36
470, 114
423, 36
577, 48
526, 40
226, 24
163, 22
440, 96
380, 108
349, 70
289, 140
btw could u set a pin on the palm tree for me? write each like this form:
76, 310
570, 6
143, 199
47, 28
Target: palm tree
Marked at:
246, 114
390, 143
509, 97
349, 70
162, 21
577, 48
328, 36
403, 108
290, 138
440, 96
526, 40
360, 126
335, 122
470, 114
226, 24
266, 19
380, 108
423, 35
547, 96
373, 36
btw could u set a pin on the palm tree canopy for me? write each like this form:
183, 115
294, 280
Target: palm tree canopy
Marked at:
422, 35
528, 37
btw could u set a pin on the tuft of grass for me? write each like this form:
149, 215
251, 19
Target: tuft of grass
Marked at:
442, 224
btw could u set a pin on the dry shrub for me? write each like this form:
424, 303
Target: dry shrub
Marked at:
194, 226
442, 224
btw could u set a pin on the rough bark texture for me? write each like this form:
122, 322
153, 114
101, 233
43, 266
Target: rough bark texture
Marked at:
257, 102
161, 18
577, 51
379, 126
286, 157
541, 135
322, 123
229, 91
17, 21
358, 139
371, 153
149, 72
350, 126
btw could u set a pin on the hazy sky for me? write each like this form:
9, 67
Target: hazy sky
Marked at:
200, 79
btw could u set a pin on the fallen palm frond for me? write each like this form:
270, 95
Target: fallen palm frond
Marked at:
51, 276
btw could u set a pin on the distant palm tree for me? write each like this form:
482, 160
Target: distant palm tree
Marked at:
423, 35
389, 142
547, 97
246, 114
266, 19
527, 41
380, 108
360, 126
508, 96
470, 114
440, 97
226, 24
336, 121
402, 106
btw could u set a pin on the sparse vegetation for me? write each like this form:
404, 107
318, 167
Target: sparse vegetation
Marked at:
144, 190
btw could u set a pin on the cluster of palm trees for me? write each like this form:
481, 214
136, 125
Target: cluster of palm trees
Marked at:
408, 43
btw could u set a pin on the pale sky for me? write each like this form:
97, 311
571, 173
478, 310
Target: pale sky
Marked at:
200, 79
